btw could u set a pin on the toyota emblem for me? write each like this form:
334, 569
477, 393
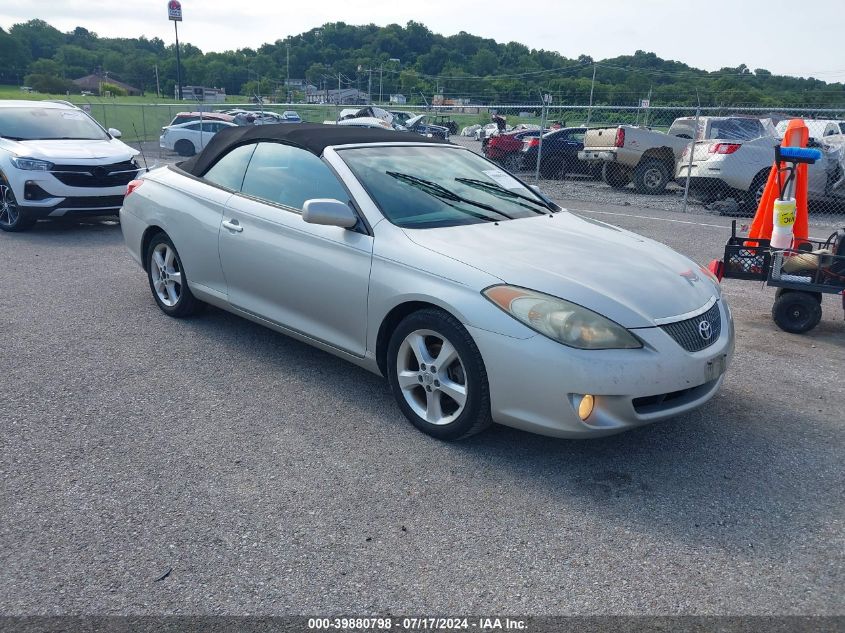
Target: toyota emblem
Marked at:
705, 329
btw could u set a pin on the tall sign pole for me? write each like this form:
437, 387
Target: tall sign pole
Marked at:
174, 13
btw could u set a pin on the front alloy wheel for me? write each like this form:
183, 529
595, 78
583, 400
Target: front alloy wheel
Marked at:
11, 217
438, 376
432, 377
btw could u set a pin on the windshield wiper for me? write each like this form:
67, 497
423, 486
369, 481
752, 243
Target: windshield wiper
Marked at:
498, 189
439, 191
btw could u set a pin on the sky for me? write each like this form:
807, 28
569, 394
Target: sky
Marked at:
705, 34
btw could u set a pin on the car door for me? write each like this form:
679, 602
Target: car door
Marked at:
309, 278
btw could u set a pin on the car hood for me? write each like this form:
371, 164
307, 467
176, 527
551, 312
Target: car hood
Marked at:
64, 150
623, 276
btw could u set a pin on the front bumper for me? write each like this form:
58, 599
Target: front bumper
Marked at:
536, 384
77, 206
42, 195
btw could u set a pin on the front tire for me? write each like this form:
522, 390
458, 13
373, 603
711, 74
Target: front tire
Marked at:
438, 376
13, 219
168, 282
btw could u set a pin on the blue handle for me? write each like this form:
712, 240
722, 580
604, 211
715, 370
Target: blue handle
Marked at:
800, 154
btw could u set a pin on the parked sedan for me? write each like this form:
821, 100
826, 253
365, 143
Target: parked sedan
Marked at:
560, 153
506, 148
735, 156
187, 138
480, 300
418, 125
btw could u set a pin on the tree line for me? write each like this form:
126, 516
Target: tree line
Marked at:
410, 59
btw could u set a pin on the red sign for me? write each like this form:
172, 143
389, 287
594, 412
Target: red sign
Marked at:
174, 10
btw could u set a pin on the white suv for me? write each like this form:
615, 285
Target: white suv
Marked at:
55, 160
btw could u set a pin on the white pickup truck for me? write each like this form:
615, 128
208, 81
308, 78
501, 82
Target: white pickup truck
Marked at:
640, 154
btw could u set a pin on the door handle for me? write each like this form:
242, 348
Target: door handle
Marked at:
233, 225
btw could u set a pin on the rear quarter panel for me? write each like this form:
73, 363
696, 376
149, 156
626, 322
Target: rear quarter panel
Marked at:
189, 211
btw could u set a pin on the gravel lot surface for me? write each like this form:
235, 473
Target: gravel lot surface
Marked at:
271, 478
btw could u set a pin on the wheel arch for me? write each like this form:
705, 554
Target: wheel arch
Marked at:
150, 232
663, 154
392, 320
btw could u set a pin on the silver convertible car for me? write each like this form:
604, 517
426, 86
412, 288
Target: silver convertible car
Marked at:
479, 299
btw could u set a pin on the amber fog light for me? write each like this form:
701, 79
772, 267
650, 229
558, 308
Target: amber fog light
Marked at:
585, 408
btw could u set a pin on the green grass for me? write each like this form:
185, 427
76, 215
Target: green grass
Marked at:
141, 118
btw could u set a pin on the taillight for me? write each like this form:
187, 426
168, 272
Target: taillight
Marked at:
132, 186
533, 142
724, 148
620, 137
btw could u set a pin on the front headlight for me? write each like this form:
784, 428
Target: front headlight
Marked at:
31, 164
560, 320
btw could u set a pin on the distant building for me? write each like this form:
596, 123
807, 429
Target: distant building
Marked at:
201, 94
398, 99
298, 84
92, 83
344, 96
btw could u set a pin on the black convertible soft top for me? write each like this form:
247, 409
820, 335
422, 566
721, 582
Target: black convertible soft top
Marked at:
313, 137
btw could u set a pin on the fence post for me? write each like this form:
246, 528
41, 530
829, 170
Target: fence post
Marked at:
143, 122
540, 145
689, 163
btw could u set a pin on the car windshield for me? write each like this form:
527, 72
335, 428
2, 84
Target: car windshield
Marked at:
31, 124
427, 187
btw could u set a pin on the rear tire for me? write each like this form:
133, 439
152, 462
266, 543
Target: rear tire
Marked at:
168, 282
438, 376
796, 312
615, 175
552, 168
752, 197
651, 177
184, 147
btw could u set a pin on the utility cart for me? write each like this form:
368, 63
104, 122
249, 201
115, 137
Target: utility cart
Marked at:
801, 274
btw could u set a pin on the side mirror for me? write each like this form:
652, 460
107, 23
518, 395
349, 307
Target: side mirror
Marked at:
329, 212
115, 132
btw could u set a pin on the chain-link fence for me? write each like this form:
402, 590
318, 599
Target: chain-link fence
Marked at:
710, 160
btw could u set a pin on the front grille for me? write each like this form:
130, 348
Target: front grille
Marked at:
689, 334
114, 175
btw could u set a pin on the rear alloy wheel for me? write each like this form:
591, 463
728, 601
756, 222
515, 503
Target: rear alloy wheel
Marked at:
12, 217
651, 177
184, 147
438, 377
796, 312
615, 175
167, 279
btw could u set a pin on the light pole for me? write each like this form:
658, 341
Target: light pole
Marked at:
381, 77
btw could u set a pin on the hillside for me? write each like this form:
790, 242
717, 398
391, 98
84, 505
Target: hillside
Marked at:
408, 59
